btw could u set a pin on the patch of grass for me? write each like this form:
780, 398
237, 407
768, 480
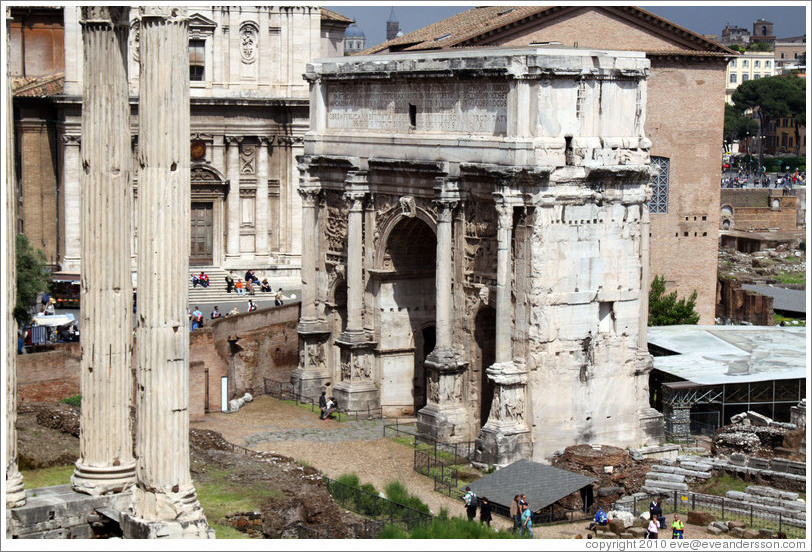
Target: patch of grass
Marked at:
444, 527
75, 400
219, 498
797, 322
408, 441
47, 477
718, 486
792, 277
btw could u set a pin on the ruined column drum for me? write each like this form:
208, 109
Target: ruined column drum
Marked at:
511, 315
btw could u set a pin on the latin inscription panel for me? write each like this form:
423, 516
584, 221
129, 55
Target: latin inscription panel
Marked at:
442, 107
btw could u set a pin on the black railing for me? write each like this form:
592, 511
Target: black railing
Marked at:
286, 391
753, 515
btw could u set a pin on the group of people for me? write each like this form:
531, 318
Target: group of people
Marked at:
198, 320
201, 280
656, 521
48, 304
249, 285
472, 502
327, 406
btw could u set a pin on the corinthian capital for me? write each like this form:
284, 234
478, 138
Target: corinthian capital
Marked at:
116, 16
170, 13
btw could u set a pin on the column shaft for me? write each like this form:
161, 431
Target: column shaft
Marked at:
15, 494
164, 502
645, 283
309, 238
233, 202
72, 184
106, 462
355, 288
262, 201
504, 316
442, 280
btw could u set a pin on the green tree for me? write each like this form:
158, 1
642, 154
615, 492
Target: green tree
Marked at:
737, 125
31, 278
667, 310
774, 97
759, 47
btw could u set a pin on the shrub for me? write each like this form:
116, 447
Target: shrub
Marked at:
75, 400
368, 502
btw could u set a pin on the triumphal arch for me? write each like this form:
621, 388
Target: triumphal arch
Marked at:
475, 245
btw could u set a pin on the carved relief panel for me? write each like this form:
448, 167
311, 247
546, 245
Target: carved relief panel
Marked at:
480, 243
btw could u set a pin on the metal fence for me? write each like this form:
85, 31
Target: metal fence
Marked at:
753, 515
286, 391
378, 510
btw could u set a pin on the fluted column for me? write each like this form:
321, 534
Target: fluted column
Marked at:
263, 214
164, 499
233, 201
505, 437
72, 185
15, 493
106, 464
645, 283
444, 418
312, 373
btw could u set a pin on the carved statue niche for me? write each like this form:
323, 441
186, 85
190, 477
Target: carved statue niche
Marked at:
346, 366
248, 158
315, 357
248, 43
434, 388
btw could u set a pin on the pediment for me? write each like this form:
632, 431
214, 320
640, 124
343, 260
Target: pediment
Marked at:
197, 21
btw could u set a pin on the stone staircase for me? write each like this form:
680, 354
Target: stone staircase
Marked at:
216, 292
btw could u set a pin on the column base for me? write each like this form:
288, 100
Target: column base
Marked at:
444, 424
175, 515
309, 383
503, 444
358, 396
15, 491
135, 528
98, 481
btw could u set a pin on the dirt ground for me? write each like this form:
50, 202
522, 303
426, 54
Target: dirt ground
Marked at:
378, 461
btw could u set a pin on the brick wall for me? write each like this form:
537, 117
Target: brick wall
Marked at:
740, 305
753, 209
246, 348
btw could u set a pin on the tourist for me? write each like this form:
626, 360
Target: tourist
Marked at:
239, 286
197, 318
265, 286
203, 279
195, 280
653, 528
322, 404
45, 298
49, 308
229, 281
332, 406
251, 277
677, 528
527, 520
600, 519
485, 511
215, 313
516, 513
656, 513
249, 287
233, 311
470, 503
278, 298
251, 306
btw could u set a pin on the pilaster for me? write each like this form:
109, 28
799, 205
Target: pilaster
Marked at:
106, 464
263, 214
233, 201
72, 185
164, 501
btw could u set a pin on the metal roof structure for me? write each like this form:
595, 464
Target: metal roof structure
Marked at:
791, 300
543, 485
712, 355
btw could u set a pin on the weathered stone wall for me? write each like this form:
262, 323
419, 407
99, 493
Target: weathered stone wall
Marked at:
740, 305
49, 376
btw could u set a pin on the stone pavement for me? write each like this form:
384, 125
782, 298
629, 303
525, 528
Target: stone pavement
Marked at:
328, 431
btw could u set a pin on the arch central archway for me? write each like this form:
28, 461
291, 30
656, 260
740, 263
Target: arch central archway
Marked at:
405, 301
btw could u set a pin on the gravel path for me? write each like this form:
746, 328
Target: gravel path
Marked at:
336, 448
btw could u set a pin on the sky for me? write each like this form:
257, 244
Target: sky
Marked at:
789, 18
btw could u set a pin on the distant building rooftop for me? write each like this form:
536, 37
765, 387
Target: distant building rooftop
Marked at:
712, 355
790, 300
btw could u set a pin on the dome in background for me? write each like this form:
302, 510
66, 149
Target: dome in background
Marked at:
353, 31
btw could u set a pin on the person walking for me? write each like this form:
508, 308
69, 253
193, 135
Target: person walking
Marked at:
527, 520
677, 528
277, 300
485, 511
229, 281
470, 503
215, 314
516, 513
251, 306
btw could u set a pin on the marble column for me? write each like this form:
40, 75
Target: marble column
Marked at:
357, 389
15, 493
106, 464
164, 501
310, 377
444, 418
263, 212
233, 201
505, 437
72, 186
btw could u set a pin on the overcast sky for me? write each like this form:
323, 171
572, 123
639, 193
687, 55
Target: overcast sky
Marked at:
789, 18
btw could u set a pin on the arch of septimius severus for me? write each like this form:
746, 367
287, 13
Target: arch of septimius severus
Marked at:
475, 245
